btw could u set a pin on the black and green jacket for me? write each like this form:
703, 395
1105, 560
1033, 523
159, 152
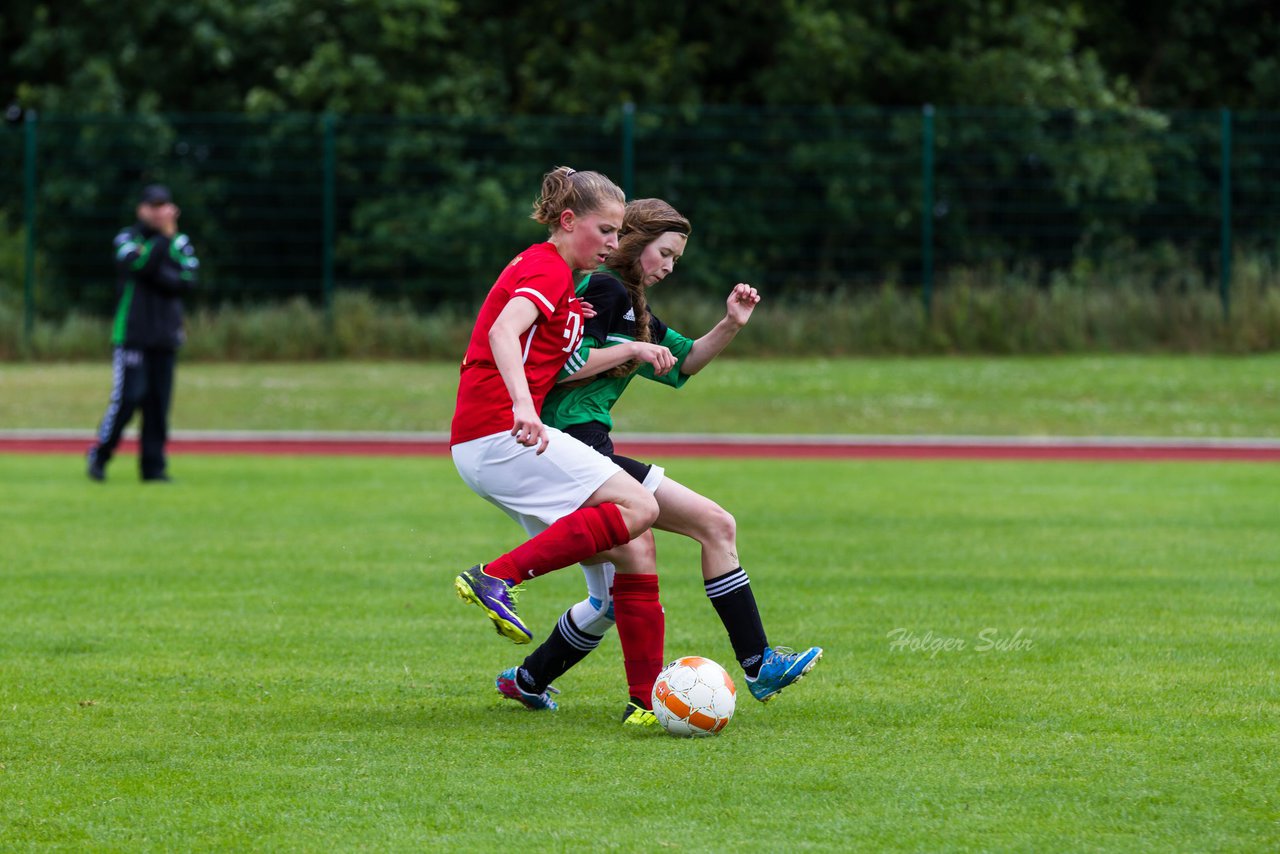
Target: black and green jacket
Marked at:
153, 272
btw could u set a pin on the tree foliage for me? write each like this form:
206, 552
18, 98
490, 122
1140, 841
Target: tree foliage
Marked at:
754, 116
402, 57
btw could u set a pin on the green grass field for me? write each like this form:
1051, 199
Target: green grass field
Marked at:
1183, 396
268, 655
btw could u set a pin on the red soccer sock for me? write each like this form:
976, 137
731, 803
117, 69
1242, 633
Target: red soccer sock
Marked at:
584, 532
641, 629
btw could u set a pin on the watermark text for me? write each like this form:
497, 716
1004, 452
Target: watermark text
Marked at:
987, 640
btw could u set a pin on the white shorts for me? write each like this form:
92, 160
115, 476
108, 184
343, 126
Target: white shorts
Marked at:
534, 489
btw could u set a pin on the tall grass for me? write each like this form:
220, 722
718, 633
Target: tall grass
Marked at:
1088, 309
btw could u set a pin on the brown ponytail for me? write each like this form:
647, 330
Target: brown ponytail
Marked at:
568, 189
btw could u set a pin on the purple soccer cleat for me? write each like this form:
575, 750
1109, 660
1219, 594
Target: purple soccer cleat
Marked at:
496, 598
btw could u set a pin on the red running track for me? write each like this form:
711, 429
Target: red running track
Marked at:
889, 448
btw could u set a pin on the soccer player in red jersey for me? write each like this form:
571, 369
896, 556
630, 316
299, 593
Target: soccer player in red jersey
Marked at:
572, 501
653, 238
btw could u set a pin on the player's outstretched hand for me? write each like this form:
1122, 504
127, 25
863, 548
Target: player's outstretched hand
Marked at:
742, 301
588, 310
657, 355
528, 427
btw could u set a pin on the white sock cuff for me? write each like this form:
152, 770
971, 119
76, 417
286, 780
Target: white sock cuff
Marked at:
577, 639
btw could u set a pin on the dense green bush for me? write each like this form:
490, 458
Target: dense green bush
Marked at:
1073, 314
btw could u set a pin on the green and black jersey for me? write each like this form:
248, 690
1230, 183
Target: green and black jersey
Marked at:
615, 323
152, 274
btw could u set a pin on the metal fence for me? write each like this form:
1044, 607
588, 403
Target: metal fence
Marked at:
429, 208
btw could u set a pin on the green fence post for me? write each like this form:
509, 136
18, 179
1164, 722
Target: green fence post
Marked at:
1224, 267
926, 210
330, 214
29, 216
628, 148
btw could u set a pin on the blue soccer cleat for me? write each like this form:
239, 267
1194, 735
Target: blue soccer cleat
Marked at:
780, 668
510, 688
496, 598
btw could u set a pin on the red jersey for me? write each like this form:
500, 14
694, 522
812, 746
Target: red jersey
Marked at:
541, 276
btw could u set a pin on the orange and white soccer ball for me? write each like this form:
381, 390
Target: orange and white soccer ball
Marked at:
693, 696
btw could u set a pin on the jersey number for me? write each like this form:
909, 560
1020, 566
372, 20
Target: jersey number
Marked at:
573, 332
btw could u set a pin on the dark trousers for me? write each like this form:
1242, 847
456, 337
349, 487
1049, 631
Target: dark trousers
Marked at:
140, 379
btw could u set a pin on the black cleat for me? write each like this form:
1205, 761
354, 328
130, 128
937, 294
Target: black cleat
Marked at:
93, 468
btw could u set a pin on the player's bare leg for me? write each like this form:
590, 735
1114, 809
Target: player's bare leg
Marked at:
638, 507
768, 670
683, 511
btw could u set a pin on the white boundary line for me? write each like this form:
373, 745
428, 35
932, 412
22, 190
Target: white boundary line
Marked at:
818, 440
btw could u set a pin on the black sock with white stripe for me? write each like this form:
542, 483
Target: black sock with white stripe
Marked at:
736, 604
563, 648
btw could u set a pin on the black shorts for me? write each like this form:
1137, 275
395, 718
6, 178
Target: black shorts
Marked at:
596, 435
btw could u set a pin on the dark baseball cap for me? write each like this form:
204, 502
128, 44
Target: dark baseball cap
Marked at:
155, 194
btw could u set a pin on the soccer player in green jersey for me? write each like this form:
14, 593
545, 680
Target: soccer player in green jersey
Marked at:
622, 584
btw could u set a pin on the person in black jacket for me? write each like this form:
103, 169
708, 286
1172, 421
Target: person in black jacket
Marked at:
155, 266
